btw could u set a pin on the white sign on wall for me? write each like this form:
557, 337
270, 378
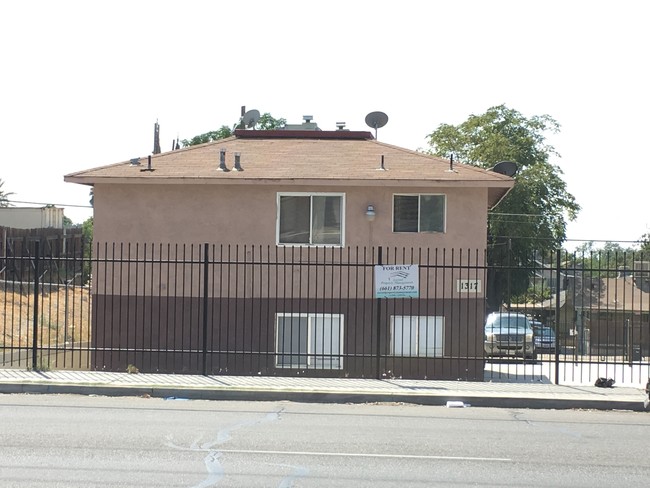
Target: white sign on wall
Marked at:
397, 281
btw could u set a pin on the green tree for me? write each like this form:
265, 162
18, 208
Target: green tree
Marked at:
644, 242
265, 122
88, 251
221, 133
268, 122
87, 232
4, 196
532, 218
604, 262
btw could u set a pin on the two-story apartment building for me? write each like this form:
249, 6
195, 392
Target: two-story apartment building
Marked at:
300, 218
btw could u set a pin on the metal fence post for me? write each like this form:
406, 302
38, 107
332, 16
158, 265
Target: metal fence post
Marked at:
36, 299
557, 316
379, 262
205, 308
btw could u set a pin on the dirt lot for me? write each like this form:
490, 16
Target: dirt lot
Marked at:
64, 315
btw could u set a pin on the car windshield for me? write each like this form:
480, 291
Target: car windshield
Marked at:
543, 331
505, 321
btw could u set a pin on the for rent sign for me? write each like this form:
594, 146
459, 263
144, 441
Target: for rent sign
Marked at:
397, 281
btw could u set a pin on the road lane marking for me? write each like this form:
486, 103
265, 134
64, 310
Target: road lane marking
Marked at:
366, 455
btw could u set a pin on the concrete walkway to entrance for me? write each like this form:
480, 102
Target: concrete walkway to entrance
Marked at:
331, 390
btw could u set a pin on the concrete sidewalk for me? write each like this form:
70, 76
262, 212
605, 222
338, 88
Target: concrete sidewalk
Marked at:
301, 389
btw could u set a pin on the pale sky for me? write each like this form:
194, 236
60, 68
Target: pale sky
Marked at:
83, 82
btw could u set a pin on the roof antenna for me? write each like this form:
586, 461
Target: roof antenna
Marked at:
376, 120
156, 138
241, 118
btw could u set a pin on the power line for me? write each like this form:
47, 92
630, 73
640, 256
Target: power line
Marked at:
516, 214
50, 203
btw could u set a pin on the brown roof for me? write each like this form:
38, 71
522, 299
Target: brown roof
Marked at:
616, 294
338, 158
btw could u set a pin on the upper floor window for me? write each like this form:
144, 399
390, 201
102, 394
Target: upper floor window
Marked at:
419, 213
310, 219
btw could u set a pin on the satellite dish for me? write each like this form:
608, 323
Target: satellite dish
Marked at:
376, 120
507, 168
250, 118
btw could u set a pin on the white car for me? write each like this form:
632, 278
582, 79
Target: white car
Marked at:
509, 334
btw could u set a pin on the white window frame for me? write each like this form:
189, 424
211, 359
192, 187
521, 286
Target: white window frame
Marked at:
412, 344
419, 195
309, 194
311, 359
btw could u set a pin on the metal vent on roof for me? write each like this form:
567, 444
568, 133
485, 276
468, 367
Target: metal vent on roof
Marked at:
237, 166
306, 125
222, 160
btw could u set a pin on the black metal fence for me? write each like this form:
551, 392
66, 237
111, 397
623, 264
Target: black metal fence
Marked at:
335, 312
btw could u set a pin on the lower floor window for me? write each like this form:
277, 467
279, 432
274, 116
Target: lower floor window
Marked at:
417, 336
309, 341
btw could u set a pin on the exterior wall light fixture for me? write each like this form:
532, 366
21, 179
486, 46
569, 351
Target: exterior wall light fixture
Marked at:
370, 213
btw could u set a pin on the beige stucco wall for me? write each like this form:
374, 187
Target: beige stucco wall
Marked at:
244, 214
161, 299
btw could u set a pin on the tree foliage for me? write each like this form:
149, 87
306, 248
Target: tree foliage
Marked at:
532, 218
87, 232
265, 122
223, 132
500, 134
644, 242
268, 122
606, 261
4, 195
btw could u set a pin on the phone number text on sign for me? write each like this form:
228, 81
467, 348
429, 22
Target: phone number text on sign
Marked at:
397, 281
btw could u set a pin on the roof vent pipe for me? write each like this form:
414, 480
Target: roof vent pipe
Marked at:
340, 125
381, 164
222, 160
451, 162
237, 166
148, 168
307, 118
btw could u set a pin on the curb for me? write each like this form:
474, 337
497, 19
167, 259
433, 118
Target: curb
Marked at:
302, 396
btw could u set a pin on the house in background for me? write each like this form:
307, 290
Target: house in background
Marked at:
613, 314
309, 197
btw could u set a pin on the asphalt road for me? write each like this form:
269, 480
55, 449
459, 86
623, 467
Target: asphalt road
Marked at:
78, 441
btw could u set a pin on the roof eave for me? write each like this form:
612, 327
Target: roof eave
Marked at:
498, 188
